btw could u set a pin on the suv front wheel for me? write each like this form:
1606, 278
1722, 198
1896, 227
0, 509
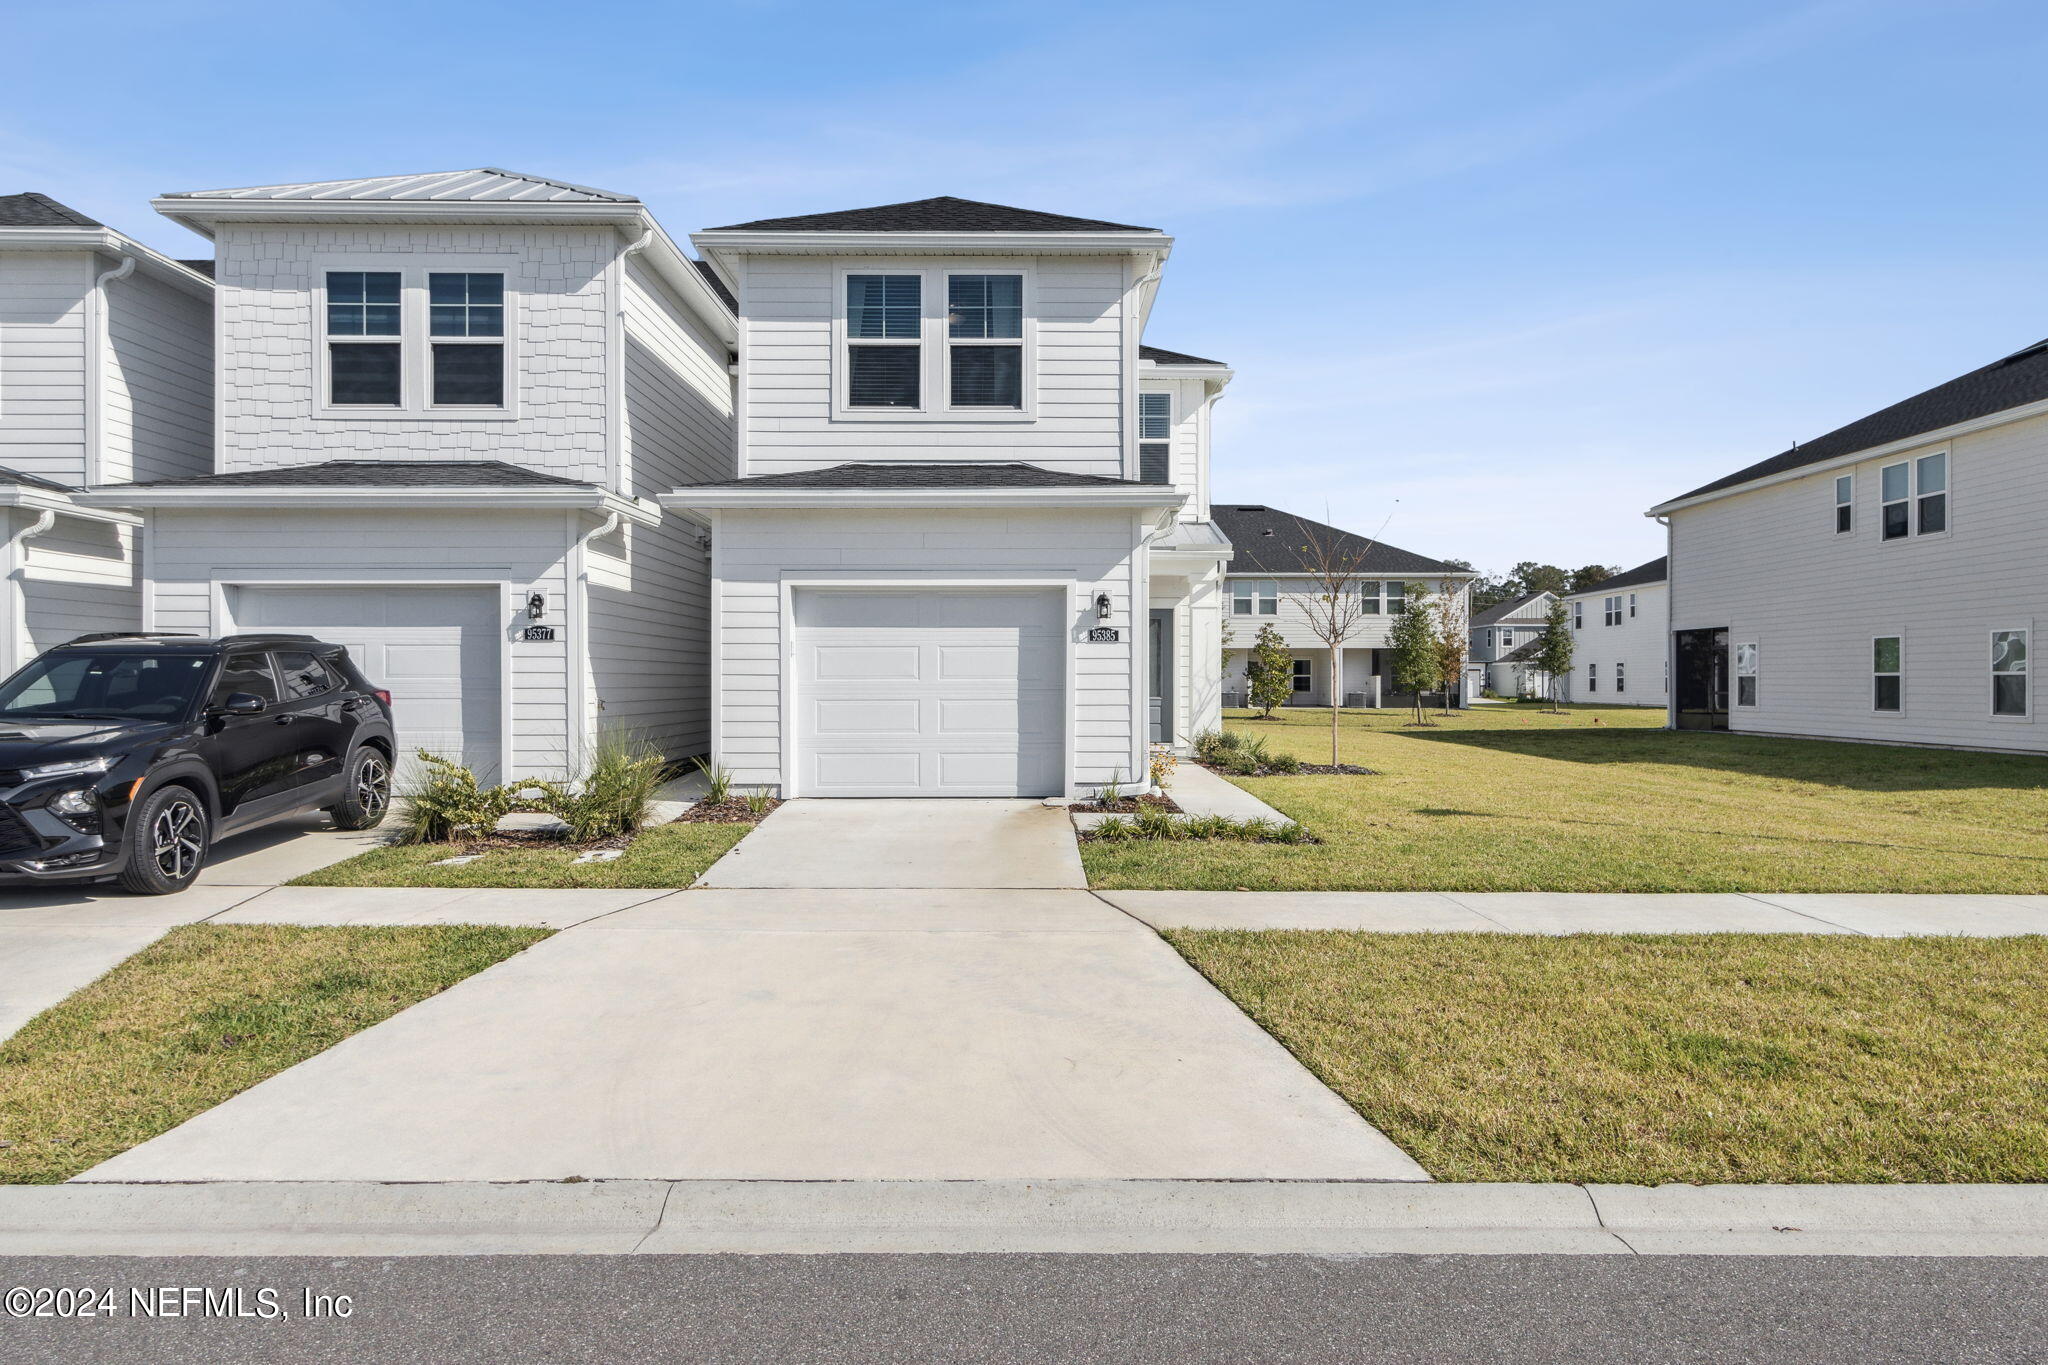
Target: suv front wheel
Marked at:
366, 795
168, 839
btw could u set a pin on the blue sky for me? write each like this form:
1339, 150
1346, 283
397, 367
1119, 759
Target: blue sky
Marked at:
1494, 276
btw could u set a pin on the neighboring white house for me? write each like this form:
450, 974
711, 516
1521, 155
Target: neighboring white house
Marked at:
1271, 571
1620, 635
1508, 629
1883, 582
106, 374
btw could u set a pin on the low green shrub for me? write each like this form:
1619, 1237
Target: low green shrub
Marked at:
448, 803
610, 797
1157, 824
720, 778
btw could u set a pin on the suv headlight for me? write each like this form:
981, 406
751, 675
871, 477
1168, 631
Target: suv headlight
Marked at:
77, 767
77, 802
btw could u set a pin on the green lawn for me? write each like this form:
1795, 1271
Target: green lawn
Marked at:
1702, 1058
667, 855
1508, 798
203, 1014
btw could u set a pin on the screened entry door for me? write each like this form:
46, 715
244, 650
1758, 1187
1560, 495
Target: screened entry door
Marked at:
1702, 680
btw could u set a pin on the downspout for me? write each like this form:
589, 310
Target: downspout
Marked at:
95, 373
1670, 634
586, 723
616, 376
19, 647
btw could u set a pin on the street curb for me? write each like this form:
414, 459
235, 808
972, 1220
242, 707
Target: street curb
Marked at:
1058, 1216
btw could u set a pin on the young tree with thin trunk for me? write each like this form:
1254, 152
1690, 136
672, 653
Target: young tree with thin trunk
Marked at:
1554, 648
1413, 643
1453, 638
1269, 671
1332, 600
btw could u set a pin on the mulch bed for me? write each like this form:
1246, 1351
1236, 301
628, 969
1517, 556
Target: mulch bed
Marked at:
505, 840
1305, 770
731, 811
1129, 805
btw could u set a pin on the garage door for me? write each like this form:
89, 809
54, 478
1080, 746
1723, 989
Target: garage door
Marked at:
434, 649
929, 693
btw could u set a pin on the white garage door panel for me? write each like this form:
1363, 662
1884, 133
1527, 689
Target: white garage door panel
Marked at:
930, 693
434, 649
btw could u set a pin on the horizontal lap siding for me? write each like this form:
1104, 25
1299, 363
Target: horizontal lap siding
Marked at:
79, 576
788, 372
1638, 642
1374, 632
757, 550
1768, 566
158, 389
42, 362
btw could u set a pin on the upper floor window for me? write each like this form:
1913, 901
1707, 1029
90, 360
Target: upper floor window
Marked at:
1610, 608
2009, 673
1845, 504
1254, 596
1578, 616
1155, 433
1914, 494
469, 372
884, 326
364, 354
1631, 605
1376, 598
1507, 638
981, 309
412, 341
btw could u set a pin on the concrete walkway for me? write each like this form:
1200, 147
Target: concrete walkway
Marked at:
905, 844
802, 1035
1875, 915
1200, 792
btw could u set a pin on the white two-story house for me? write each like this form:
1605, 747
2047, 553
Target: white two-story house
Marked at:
1504, 639
1273, 569
1883, 582
966, 550
106, 374
1620, 633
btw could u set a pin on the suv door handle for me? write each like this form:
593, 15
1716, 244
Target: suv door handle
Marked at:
286, 719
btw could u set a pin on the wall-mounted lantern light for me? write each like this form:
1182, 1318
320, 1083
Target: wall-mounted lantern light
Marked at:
1102, 606
536, 605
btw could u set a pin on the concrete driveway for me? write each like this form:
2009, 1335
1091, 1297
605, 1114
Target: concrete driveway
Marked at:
802, 1035
908, 844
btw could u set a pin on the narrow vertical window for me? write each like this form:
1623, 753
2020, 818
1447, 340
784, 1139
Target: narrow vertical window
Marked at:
1895, 489
981, 309
1745, 674
1845, 504
2009, 673
1155, 437
1620, 677
363, 369
1887, 674
1592, 677
469, 372
884, 324
1930, 493
1578, 616
1631, 606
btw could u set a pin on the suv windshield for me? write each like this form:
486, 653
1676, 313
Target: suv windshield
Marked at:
103, 686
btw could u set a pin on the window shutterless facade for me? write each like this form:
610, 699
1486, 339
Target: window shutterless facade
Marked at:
1387, 598
884, 341
1887, 673
365, 356
1746, 674
1304, 675
2009, 691
1592, 677
985, 340
1620, 677
1914, 497
417, 343
466, 324
1155, 437
1578, 616
1610, 608
1254, 597
1845, 504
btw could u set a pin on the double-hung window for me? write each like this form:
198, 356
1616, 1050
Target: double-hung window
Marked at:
365, 356
985, 340
1396, 598
1745, 674
1620, 676
466, 327
1304, 675
1610, 610
884, 328
1254, 597
1578, 616
1845, 504
1914, 495
2009, 673
1887, 673
1507, 638
1155, 437
1592, 677
1631, 606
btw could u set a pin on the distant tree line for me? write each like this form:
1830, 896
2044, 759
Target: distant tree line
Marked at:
1531, 577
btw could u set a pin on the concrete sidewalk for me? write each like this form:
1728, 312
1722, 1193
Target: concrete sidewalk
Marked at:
1071, 1216
1515, 912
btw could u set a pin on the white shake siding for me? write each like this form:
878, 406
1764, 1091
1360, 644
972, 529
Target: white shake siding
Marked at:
1768, 565
1638, 646
1077, 305
516, 553
269, 335
157, 385
648, 587
1088, 552
42, 362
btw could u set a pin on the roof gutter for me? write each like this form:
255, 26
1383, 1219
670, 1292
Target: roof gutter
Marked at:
598, 501
687, 500
112, 243
49, 501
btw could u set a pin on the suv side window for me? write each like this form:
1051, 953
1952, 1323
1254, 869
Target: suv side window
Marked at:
248, 672
303, 675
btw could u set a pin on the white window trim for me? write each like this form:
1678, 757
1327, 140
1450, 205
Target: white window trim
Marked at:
1303, 671
1912, 498
1736, 675
415, 358
1848, 477
1620, 677
935, 367
1172, 400
1904, 701
2025, 717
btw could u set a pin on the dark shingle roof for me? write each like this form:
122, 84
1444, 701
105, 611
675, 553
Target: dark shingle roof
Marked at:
30, 210
1159, 355
203, 267
942, 214
1267, 540
374, 474
710, 275
1653, 572
1500, 611
909, 475
32, 480
2018, 379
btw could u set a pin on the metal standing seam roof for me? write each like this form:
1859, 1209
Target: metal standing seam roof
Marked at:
488, 184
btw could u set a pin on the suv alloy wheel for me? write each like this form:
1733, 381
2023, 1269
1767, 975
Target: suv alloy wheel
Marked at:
169, 842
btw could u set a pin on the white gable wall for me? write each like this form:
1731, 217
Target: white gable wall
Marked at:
157, 382
1637, 646
42, 362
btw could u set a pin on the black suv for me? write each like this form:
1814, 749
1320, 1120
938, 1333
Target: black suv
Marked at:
125, 756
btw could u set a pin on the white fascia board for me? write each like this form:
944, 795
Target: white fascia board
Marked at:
202, 214
64, 504
111, 243
596, 501
1219, 375
1153, 244
837, 499
1855, 457
682, 276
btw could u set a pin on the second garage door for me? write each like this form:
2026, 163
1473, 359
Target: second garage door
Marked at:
434, 649
929, 693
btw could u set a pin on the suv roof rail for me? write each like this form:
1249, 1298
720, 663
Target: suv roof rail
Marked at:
132, 635
248, 635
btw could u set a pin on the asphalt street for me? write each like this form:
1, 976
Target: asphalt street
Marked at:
1035, 1308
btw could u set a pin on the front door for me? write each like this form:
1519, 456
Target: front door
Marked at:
1702, 679
1160, 645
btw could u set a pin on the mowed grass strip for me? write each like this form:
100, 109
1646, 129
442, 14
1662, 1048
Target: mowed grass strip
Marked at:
1634, 1059
203, 1014
667, 855
1510, 798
